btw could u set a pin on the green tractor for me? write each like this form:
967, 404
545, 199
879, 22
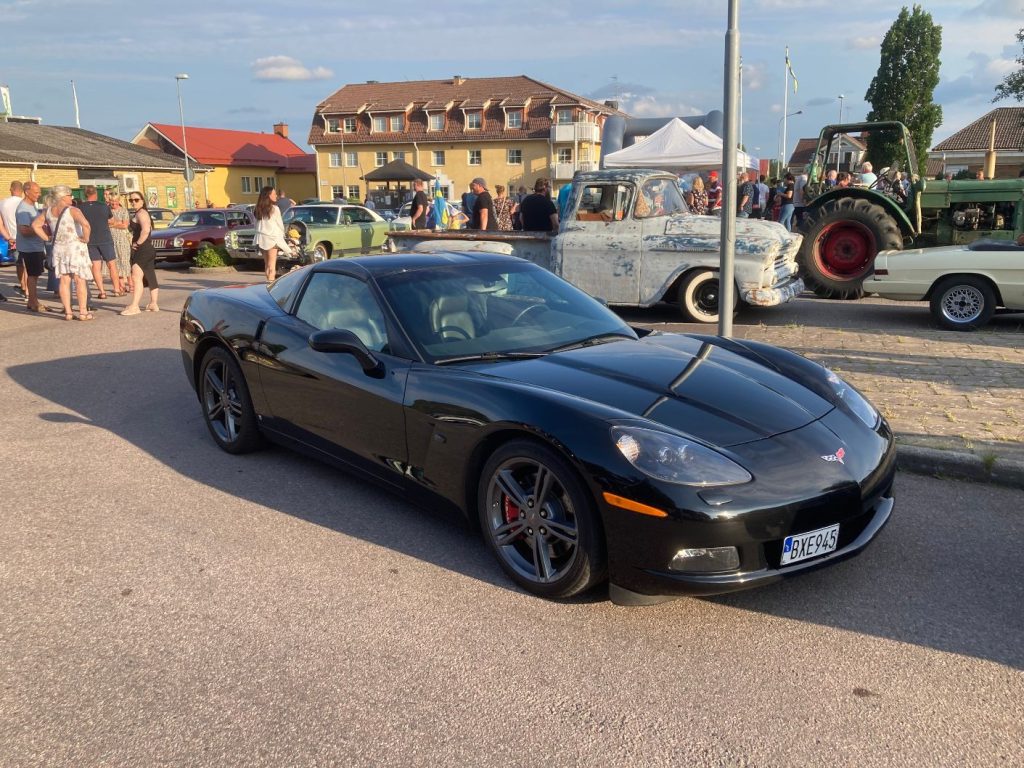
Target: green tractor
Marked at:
844, 228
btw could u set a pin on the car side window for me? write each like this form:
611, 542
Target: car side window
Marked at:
344, 302
604, 202
358, 216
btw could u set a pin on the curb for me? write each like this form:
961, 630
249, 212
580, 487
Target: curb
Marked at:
959, 466
211, 270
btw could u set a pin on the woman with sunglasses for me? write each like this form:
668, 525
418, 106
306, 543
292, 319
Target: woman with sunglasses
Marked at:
67, 230
120, 230
143, 258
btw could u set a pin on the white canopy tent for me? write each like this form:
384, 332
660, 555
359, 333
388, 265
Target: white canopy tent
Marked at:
677, 147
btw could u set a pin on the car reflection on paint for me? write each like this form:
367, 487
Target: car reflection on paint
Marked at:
587, 451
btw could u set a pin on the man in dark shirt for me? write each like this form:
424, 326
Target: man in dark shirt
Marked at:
483, 207
101, 242
419, 206
283, 202
538, 211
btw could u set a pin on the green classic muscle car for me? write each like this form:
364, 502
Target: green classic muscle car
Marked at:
318, 232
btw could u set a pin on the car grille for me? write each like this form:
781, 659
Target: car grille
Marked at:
159, 242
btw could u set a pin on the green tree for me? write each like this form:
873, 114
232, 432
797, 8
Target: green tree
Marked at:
1013, 83
904, 85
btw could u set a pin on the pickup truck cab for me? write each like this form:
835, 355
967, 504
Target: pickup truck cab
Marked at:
629, 238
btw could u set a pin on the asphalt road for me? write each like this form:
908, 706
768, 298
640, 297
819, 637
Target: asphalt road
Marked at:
165, 603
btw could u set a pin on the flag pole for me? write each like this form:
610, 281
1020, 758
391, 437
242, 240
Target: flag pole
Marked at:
74, 96
785, 113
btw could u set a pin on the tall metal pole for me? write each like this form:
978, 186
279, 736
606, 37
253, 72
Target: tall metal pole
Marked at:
785, 114
839, 148
184, 139
726, 280
74, 96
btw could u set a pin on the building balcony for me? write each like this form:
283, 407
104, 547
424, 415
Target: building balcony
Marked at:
570, 132
567, 170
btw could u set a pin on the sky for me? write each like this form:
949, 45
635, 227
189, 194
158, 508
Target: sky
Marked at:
253, 64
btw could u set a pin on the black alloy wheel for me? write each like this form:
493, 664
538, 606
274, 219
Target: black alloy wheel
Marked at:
227, 407
540, 522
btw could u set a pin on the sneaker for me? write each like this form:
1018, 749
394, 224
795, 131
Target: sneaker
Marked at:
19, 296
19, 293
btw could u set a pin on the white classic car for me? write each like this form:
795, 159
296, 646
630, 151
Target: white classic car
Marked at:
965, 284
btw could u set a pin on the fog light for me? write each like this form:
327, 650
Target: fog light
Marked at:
706, 560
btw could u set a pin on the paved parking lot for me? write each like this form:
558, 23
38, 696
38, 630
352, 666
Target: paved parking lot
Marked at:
165, 603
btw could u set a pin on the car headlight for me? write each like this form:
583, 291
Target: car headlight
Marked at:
231, 240
854, 400
179, 241
675, 459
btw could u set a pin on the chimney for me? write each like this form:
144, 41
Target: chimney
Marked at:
458, 79
281, 129
612, 103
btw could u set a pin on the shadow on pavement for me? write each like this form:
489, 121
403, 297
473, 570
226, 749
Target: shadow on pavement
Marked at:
918, 583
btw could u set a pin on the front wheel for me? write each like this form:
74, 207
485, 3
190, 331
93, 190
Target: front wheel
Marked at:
841, 240
699, 297
321, 252
963, 303
540, 521
227, 407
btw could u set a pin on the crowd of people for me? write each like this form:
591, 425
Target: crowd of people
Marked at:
72, 242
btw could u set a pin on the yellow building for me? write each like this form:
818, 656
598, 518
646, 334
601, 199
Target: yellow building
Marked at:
240, 162
509, 130
51, 155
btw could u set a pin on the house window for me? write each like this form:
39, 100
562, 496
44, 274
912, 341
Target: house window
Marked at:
258, 183
380, 125
397, 123
474, 157
332, 125
381, 158
515, 157
271, 182
564, 116
398, 155
337, 193
474, 120
353, 192
350, 125
246, 185
437, 122
514, 119
437, 157
351, 159
334, 159
565, 155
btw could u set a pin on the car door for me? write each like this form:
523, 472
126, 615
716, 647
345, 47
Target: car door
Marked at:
372, 231
599, 246
347, 234
325, 399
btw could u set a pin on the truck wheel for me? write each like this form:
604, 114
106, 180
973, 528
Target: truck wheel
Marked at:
698, 296
963, 303
841, 240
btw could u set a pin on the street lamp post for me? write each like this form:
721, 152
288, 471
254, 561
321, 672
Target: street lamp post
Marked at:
782, 141
189, 173
839, 148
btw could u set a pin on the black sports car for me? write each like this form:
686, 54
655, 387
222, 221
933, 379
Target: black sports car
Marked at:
586, 450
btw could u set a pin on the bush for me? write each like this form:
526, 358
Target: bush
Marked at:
213, 256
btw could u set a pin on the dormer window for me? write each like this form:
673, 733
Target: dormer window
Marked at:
397, 123
564, 116
350, 125
514, 118
437, 122
474, 120
332, 125
380, 125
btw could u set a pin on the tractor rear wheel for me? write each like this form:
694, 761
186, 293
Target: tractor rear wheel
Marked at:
841, 239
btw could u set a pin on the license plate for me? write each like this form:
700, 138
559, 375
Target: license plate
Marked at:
811, 544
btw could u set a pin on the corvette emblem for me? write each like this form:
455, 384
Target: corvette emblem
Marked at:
837, 456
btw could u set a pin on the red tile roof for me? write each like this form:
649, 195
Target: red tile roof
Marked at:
361, 100
218, 146
1009, 132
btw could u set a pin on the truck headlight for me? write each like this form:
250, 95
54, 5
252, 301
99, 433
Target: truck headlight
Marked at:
675, 459
179, 241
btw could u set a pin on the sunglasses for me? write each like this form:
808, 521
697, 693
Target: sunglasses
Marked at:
134, 199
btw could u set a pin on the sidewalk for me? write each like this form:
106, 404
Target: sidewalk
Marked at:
954, 400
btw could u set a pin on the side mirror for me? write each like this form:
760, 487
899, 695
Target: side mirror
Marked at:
340, 340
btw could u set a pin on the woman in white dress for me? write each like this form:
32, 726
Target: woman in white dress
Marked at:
269, 230
70, 250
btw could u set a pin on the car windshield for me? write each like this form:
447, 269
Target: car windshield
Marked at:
312, 214
492, 310
199, 219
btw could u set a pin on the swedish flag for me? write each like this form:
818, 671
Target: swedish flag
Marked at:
440, 208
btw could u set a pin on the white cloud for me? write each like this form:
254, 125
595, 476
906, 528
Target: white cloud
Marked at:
287, 68
753, 76
865, 42
658, 105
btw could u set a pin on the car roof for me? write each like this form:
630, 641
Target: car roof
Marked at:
401, 262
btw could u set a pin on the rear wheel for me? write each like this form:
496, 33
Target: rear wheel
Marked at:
540, 521
227, 407
963, 303
699, 296
321, 252
841, 240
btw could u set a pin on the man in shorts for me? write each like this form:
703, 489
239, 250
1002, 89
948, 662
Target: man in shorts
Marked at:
8, 211
31, 248
101, 242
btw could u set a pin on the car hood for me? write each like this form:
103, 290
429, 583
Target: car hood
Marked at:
754, 237
684, 383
